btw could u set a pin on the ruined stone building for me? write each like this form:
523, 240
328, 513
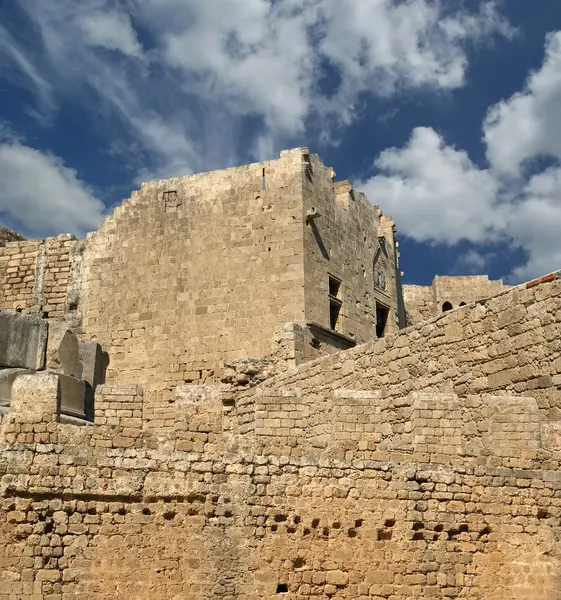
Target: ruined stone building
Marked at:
226, 392
446, 293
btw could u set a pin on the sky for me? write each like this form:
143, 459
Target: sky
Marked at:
446, 113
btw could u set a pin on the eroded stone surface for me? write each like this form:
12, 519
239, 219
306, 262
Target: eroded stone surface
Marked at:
23, 340
63, 350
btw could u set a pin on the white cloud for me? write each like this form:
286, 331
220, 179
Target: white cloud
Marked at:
472, 262
209, 62
42, 195
111, 30
528, 124
435, 192
535, 222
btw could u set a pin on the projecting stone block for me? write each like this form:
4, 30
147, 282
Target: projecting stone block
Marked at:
63, 351
35, 397
72, 396
7, 378
40, 396
23, 340
91, 357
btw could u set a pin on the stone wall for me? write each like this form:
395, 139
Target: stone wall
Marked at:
344, 242
7, 235
422, 465
195, 271
446, 293
39, 276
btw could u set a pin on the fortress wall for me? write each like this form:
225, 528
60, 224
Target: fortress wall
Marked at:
419, 303
424, 302
18, 267
195, 271
342, 242
80, 520
466, 289
347, 478
509, 343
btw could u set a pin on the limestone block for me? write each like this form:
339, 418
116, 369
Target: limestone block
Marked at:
91, 357
7, 378
35, 397
72, 396
63, 352
23, 340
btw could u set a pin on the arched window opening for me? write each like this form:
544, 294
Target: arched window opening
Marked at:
446, 306
462, 303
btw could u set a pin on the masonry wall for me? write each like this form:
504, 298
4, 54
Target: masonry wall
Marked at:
424, 302
343, 242
400, 469
40, 276
195, 271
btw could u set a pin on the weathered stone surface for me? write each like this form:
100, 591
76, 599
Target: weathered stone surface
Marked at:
23, 340
426, 464
63, 350
72, 396
35, 398
7, 378
91, 357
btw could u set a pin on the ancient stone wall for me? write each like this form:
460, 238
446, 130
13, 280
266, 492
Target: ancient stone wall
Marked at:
7, 235
195, 271
422, 465
343, 243
446, 293
39, 276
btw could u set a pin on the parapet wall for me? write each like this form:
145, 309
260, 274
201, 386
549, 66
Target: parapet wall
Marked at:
423, 465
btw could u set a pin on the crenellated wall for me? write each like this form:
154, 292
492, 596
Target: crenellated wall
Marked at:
423, 465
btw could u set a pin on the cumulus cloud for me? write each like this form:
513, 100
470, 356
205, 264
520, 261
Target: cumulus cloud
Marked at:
205, 69
528, 125
435, 192
41, 195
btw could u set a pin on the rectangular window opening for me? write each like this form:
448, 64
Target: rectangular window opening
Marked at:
335, 303
334, 315
334, 287
382, 313
263, 182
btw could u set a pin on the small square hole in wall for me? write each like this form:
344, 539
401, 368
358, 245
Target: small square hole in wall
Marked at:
282, 588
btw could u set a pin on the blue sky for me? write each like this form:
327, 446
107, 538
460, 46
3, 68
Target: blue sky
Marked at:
446, 113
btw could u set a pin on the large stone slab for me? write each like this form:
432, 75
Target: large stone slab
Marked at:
46, 394
63, 351
72, 396
23, 340
35, 397
91, 357
7, 378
